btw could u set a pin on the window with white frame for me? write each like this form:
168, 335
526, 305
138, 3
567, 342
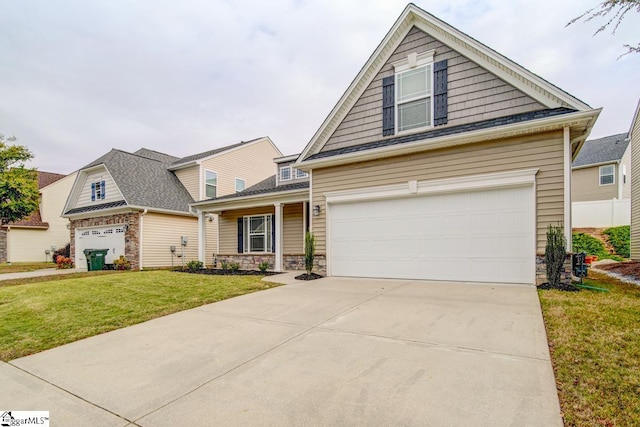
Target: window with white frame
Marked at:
301, 174
98, 192
257, 233
240, 184
607, 175
210, 184
285, 173
413, 90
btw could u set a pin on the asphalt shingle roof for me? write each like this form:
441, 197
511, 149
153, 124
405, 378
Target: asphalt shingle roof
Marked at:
145, 181
266, 186
156, 155
96, 207
608, 149
435, 133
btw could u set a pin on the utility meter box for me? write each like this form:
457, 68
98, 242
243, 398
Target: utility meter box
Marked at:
183, 240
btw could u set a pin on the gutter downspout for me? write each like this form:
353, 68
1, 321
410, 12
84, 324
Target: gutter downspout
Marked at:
140, 240
567, 186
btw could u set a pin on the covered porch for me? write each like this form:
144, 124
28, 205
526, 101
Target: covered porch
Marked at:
256, 227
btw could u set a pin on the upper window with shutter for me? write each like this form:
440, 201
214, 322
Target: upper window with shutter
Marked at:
98, 190
416, 97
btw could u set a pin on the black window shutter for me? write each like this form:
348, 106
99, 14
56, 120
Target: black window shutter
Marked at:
240, 235
273, 234
102, 192
440, 93
388, 102
93, 191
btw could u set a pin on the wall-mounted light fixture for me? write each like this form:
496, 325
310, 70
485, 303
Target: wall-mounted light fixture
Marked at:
316, 210
126, 227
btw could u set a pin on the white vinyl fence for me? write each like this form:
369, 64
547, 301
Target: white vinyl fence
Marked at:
601, 213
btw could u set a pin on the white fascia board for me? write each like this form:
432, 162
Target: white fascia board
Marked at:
162, 211
518, 129
80, 180
636, 117
102, 212
591, 165
286, 158
257, 200
460, 42
448, 185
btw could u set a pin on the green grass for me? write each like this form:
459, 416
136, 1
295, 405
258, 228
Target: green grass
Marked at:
38, 316
594, 339
19, 267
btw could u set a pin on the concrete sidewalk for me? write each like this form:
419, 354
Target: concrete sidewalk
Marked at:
330, 351
37, 273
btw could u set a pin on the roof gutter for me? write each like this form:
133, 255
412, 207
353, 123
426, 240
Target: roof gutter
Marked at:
546, 124
247, 201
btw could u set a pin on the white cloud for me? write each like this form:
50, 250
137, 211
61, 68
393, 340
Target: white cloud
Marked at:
78, 78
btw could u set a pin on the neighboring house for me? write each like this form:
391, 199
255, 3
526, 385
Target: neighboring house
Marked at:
36, 237
634, 138
443, 160
137, 204
601, 183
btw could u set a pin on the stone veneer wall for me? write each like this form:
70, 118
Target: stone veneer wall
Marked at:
131, 237
289, 261
541, 270
3, 246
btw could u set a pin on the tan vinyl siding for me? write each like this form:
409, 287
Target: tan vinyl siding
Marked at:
626, 186
474, 94
211, 240
635, 189
112, 192
542, 151
291, 228
162, 231
190, 179
252, 162
585, 185
292, 233
229, 227
28, 245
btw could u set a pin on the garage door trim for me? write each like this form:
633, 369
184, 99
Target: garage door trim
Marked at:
517, 178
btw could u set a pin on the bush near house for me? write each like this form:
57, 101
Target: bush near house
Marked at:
64, 262
590, 245
619, 238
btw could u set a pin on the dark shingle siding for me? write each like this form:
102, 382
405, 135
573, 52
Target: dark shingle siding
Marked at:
608, 149
470, 127
96, 207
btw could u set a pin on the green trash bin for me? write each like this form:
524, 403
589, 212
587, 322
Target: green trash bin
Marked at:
95, 258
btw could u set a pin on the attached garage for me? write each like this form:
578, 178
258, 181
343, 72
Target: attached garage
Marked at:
106, 237
482, 234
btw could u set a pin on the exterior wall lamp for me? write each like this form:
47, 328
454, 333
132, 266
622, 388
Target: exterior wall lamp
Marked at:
316, 210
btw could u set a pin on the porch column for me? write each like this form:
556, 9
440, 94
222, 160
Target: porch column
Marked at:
278, 236
202, 237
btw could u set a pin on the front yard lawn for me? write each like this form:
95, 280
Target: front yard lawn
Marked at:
38, 316
594, 339
19, 267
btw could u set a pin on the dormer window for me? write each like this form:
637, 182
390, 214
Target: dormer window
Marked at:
301, 174
98, 190
285, 173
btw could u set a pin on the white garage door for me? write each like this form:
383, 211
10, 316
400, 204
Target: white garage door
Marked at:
479, 236
111, 237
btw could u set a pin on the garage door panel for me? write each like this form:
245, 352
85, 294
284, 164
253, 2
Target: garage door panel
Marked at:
485, 235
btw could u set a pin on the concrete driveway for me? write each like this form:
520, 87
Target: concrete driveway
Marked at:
334, 351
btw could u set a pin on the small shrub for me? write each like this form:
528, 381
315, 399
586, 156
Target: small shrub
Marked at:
619, 238
64, 262
234, 266
195, 265
65, 252
590, 245
555, 254
224, 265
263, 266
309, 251
122, 263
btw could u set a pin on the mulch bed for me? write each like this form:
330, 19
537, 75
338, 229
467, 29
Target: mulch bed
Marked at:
220, 272
561, 287
312, 276
629, 268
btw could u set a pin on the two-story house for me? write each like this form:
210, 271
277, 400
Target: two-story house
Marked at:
601, 183
35, 238
443, 160
137, 204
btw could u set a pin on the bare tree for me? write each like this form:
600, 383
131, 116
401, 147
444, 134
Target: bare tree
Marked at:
614, 12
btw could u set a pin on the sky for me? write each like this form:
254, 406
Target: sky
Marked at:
78, 77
